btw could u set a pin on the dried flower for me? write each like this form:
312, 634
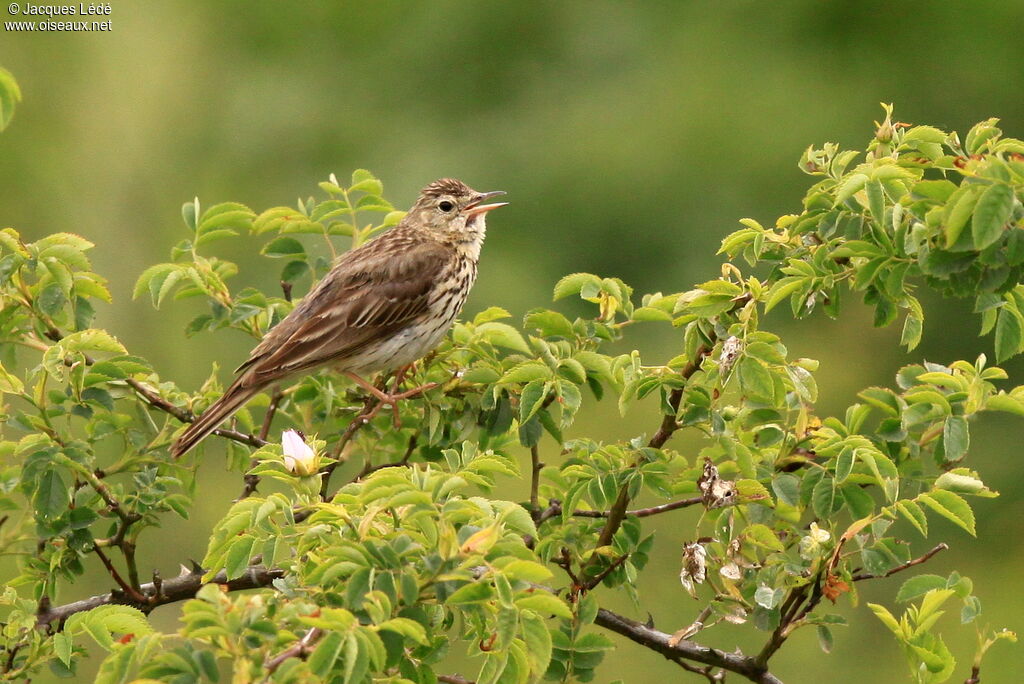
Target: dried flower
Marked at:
695, 566
731, 349
714, 491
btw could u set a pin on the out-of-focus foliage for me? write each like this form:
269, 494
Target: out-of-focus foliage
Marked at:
417, 556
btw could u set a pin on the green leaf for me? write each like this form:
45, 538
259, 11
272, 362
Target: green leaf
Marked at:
919, 586
782, 289
473, 592
844, 464
756, 380
122, 619
326, 654
958, 209
549, 324
503, 335
574, 284
991, 214
544, 603
527, 371
787, 487
407, 628
1008, 334
825, 639
912, 512
538, 641
526, 571
955, 438
850, 185
283, 247
532, 399
52, 497
237, 558
62, 646
10, 95
824, 500
950, 506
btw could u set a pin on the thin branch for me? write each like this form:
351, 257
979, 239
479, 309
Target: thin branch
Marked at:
253, 481
903, 566
404, 461
454, 679
669, 425
338, 455
180, 588
743, 665
975, 677
535, 466
158, 402
300, 649
128, 589
590, 584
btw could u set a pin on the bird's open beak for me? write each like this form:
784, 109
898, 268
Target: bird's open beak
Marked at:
474, 208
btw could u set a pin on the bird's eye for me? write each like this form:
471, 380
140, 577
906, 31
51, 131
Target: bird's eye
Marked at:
445, 206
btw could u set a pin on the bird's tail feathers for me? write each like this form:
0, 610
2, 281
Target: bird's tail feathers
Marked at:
222, 409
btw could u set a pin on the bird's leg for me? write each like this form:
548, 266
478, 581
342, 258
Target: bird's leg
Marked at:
392, 398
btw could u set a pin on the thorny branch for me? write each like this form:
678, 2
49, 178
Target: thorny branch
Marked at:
743, 665
159, 593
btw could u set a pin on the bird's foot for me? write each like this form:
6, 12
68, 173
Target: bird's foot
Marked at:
389, 398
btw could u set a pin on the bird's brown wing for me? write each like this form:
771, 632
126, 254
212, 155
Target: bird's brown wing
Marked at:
368, 295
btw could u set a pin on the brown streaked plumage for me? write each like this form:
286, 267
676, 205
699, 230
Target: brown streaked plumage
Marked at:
382, 306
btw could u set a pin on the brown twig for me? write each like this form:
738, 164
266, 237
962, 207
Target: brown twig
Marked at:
669, 425
173, 590
338, 455
975, 677
253, 481
404, 461
535, 467
185, 416
658, 641
300, 649
454, 679
859, 577
590, 584
127, 588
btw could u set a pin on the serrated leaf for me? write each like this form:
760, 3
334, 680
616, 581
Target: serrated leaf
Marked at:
407, 628
574, 284
991, 214
503, 335
237, 558
52, 497
545, 604
919, 586
473, 592
912, 512
326, 654
850, 185
955, 437
1008, 334
538, 641
952, 507
526, 571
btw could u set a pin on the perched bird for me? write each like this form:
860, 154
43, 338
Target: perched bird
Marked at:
381, 307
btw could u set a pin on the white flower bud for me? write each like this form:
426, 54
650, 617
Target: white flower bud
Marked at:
299, 457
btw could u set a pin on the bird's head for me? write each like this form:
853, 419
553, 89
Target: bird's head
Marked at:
451, 207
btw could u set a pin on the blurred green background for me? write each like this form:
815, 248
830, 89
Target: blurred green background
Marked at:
630, 137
